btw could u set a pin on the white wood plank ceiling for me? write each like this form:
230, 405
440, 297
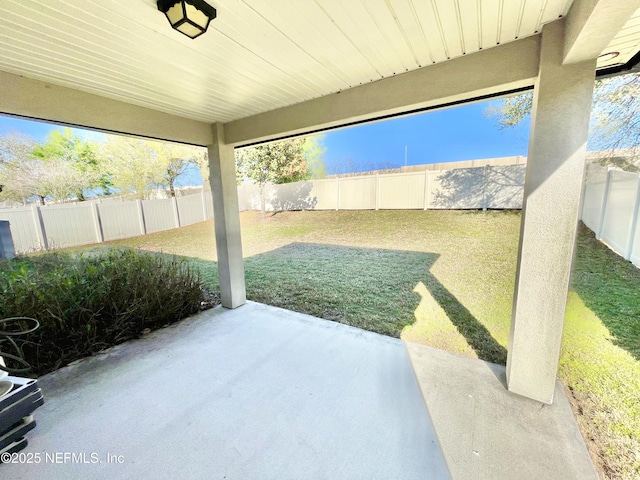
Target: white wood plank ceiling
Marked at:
258, 55
626, 43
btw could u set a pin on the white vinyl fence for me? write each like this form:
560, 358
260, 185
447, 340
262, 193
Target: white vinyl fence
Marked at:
611, 208
68, 225
495, 187
610, 205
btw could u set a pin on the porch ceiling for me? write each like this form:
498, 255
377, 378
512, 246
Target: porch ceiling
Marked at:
259, 55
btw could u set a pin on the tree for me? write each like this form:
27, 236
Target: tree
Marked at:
314, 150
15, 154
131, 165
74, 157
615, 118
278, 162
202, 161
61, 168
134, 165
176, 159
66, 165
57, 180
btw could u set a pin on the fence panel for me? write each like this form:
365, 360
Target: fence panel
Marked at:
249, 197
504, 188
190, 209
119, 220
69, 225
468, 188
292, 196
325, 193
158, 215
357, 193
208, 205
401, 191
635, 246
243, 198
23, 228
619, 210
462, 188
595, 181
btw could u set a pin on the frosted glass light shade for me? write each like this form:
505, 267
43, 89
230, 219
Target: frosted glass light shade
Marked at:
190, 17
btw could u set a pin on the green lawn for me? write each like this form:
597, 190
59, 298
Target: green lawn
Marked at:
445, 279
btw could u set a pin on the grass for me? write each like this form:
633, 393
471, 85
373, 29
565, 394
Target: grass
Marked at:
445, 279
600, 361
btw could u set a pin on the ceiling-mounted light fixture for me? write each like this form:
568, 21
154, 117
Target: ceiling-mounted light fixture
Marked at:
190, 17
605, 57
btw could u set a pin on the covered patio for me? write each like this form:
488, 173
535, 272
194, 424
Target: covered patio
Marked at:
261, 392
271, 70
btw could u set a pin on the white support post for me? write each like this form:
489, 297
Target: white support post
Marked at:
96, 223
583, 192
634, 223
485, 181
425, 197
555, 167
176, 214
427, 189
226, 217
605, 200
204, 205
377, 191
143, 228
39, 227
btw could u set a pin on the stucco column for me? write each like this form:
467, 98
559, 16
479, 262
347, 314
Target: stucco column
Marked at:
226, 217
557, 145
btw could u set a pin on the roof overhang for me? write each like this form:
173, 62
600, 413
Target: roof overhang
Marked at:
282, 69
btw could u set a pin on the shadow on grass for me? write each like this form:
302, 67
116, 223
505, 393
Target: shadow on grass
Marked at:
474, 332
372, 289
610, 287
367, 288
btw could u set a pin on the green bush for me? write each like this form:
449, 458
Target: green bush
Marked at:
86, 303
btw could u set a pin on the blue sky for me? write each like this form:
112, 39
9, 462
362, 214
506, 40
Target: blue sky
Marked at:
39, 130
459, 133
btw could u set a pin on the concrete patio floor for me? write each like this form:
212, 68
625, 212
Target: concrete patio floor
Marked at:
264, 393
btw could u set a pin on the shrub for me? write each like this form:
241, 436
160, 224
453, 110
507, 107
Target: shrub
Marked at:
88, 302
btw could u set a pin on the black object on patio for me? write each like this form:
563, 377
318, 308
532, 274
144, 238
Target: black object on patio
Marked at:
19, 397
16, 409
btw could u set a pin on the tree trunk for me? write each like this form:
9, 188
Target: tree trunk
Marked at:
172, 190
41, 199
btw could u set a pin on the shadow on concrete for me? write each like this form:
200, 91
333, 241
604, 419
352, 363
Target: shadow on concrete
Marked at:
608, 286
